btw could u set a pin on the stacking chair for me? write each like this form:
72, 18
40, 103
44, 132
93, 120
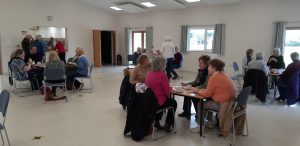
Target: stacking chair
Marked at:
52, 75
239, 109
174, 130
237, 77
130, 59
89, 76
4, 100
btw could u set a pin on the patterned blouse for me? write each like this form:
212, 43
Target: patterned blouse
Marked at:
17, 66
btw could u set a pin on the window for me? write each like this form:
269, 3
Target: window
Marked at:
138, 40
200, 38
292, 43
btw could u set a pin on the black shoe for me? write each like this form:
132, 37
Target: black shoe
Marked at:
183, 114
175, 77
158, 126
167, 128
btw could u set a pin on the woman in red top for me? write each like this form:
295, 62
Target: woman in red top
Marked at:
60, 49
158, 82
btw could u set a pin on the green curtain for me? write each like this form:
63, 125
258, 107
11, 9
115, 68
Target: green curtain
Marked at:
219, 40
184, 37
279, 35
149, 37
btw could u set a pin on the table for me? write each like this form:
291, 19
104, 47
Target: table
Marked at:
190, 93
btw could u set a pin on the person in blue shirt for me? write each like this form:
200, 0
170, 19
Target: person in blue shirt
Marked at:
34, 55
40, 44
82, 68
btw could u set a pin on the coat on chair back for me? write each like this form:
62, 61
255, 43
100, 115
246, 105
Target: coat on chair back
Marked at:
293, 89
141, 113
259, 82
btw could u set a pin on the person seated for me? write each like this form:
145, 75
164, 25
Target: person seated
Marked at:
276, 60
22, 70
259, 63
248, 58
34, 55
199, 82
136, 55
177, 58
158, 82
82, 68
287, 74
54, 63
140, 71
220, 89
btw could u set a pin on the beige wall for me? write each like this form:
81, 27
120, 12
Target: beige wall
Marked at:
80, 20
248, 25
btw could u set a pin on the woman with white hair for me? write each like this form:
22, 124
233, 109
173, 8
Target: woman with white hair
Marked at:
276, 60
168, 50
158, 82
259, 63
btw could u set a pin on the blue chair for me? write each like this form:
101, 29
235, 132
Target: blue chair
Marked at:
4, 100
237, 77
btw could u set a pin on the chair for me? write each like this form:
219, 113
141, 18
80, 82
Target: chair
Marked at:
4, 100
89, 76
239, 108
237, 76
174, 128
52, 75
180, 69
130, 58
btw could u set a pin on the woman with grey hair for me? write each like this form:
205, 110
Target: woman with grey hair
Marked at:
158, 82
259, 63
276, 60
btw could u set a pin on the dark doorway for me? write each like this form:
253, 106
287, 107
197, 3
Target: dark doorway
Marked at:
107, 47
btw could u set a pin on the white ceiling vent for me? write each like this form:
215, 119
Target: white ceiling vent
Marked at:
131, 7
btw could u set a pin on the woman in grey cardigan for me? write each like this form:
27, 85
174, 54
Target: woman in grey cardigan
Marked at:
54, 63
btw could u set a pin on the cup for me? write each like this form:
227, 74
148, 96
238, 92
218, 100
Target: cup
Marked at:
38, 63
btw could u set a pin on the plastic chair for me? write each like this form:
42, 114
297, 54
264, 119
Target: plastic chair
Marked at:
4, 100
89, 76
241, 104
174, 130
180, 69
53, 75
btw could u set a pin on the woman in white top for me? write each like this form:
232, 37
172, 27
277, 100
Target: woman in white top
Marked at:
247, 59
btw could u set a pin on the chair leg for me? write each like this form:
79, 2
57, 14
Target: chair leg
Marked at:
233, 131
2, 137
246, 122
66, 93
91, 83
45, 94
6, 136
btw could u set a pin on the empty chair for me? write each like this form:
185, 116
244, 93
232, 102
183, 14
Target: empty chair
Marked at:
4, 100
130, 59
237, 77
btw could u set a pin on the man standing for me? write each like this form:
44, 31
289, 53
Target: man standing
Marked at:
40, 44
26, 42
168, 50
136, 55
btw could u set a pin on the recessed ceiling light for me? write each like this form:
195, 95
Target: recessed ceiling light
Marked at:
148, 4
116, 8
191, 1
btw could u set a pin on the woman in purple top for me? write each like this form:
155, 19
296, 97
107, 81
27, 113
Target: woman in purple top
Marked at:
158, 82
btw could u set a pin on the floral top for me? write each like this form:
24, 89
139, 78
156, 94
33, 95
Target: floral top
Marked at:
17, 66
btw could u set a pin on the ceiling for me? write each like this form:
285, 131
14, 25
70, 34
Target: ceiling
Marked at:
135, 6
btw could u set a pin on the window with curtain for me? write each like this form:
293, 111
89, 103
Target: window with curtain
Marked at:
292, 43
200, 38
138, 40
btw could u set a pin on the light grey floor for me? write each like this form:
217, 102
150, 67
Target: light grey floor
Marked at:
97, 119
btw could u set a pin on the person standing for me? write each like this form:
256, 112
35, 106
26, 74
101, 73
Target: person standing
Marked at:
247, 59
168, 50
60, 49
40, 44
136, 55
26, 42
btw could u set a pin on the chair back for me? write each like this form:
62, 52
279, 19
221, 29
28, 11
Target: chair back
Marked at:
4, 100
258, 80
130, 57
54, 74
243, 96
235, 66
91, 69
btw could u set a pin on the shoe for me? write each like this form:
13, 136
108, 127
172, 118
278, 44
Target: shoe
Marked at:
175, 77
80, 87
167, 127
60, 98
158, 126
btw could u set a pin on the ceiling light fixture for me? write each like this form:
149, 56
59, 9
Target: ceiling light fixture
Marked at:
148, 4
116, 8
192, 1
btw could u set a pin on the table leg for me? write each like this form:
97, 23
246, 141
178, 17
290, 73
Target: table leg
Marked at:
201, 117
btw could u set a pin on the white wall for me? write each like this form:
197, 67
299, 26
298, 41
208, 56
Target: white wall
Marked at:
248, 25
80, 20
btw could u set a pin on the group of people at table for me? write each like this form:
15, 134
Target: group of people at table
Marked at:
30, 66
211, 82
